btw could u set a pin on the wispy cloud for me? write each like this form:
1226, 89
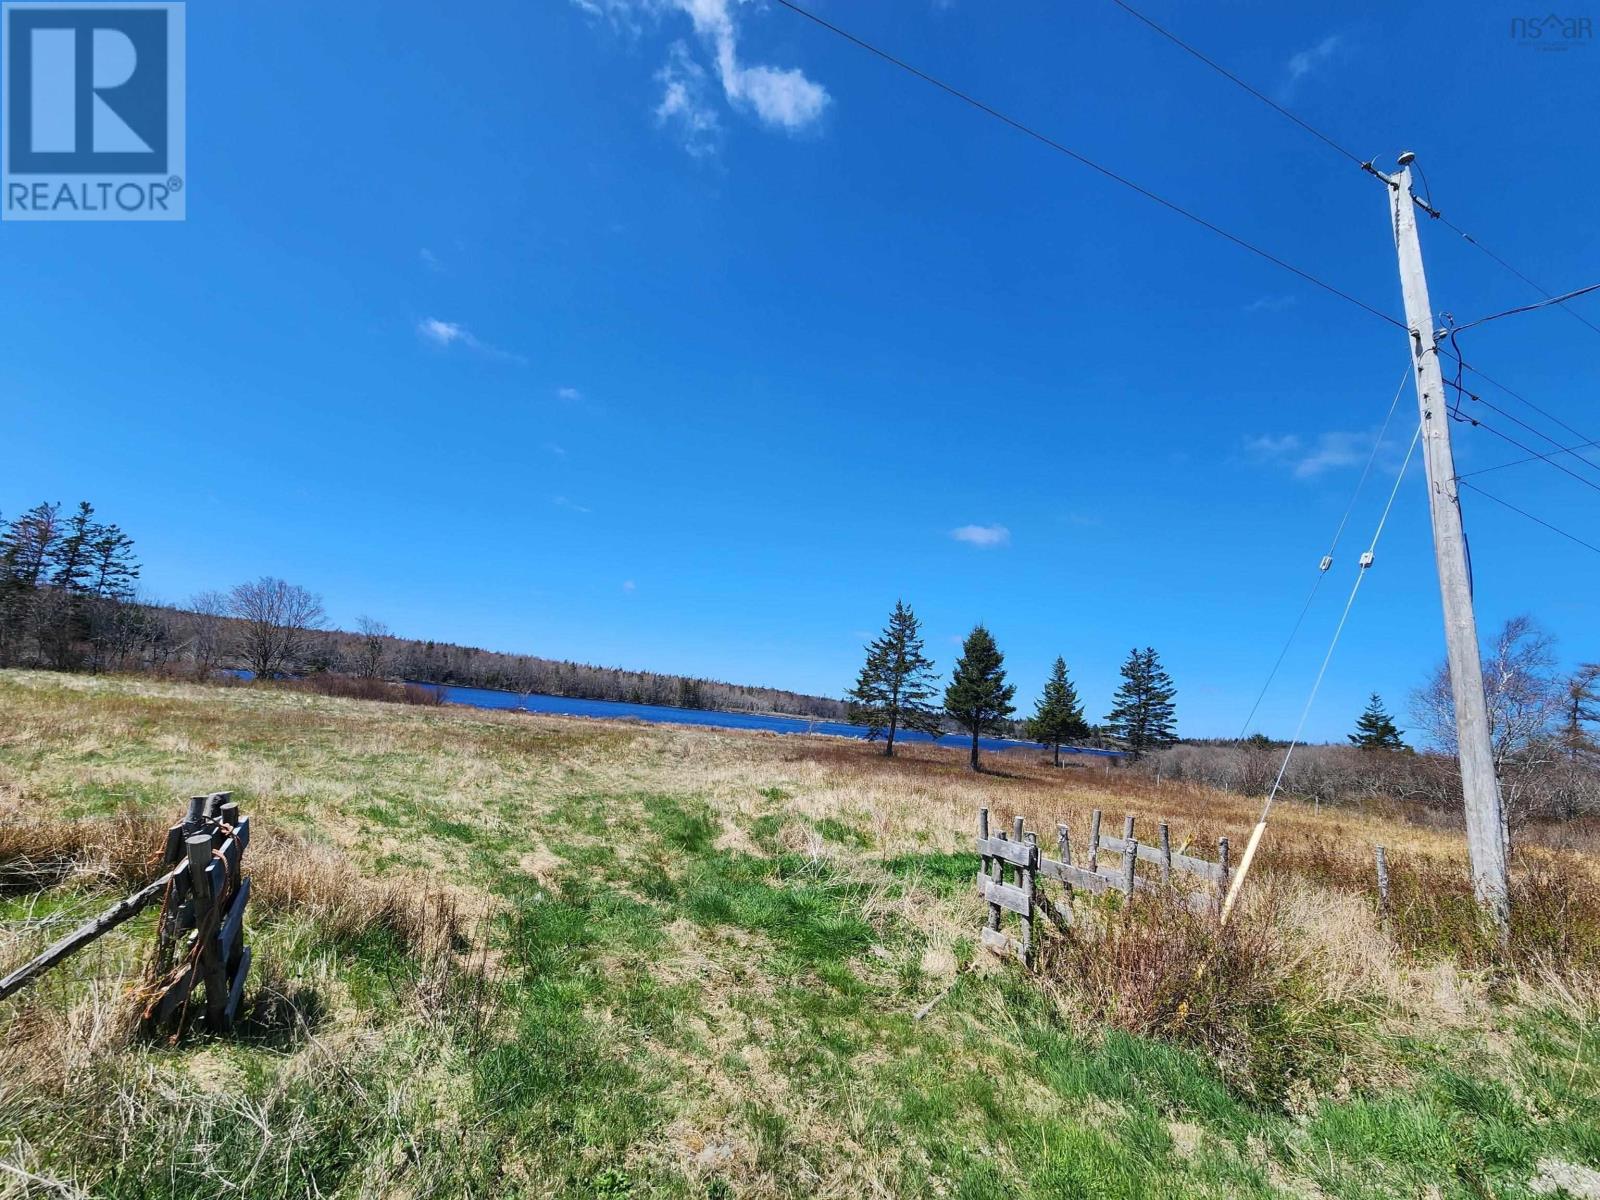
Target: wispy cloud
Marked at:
782, 98
983, 536
1270, 304
447, 334
1308, 61
569, 505
629, 585
686, 104
430, 260
570, 394
552, 448
1309, 458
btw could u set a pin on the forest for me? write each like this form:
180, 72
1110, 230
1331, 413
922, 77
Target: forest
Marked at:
70, 601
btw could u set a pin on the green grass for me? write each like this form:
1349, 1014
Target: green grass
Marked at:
676, 1009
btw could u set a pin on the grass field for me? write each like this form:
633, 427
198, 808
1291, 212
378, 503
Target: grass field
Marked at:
503, 955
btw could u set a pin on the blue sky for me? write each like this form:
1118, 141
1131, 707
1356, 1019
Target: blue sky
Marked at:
683, 335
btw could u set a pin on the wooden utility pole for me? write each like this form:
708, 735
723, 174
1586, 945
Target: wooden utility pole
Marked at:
1486, 843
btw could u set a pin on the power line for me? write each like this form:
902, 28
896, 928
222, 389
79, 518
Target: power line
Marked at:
1540, 288
1525, 513
1084, 160
1517, 462
1455, 357
1222, 70
1511, 312
1523, 446
1327, 559
1492, 407
1426, 205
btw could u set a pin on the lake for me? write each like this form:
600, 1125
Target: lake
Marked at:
566, 706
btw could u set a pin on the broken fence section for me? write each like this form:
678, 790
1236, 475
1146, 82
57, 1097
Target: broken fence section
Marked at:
1010, 869
200, 934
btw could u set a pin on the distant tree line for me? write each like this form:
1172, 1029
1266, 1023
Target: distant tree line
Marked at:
1543, 725
69, 601
897, 686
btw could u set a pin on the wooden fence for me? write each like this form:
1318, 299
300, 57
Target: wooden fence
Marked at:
1011, 868
200, 933
200, 936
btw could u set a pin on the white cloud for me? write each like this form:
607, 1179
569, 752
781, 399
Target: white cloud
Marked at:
1331, 451
781, 97
685, 104
445, 334
430, 259
558, 451
629, 585
570, 394
982, 536
1305, 62
570, 505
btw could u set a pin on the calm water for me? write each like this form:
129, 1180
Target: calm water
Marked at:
617, 709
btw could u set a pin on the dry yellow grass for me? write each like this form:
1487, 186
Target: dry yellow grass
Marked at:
361, 808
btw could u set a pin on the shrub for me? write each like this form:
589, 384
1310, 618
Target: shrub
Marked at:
1158, 968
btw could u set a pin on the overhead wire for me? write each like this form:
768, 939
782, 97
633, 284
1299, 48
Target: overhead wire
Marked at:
1527, 308
1538, 287
1522, 512
1517, 462
1425, 203
1083, 159
1479, 423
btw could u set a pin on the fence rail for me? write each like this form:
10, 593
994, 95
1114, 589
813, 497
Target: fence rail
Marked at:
1019, 856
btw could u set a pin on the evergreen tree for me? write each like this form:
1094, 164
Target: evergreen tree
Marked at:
979, 698
1142, 711
1057, 715
112, 567
1580, 709
895, 687
1375, 730
27, 551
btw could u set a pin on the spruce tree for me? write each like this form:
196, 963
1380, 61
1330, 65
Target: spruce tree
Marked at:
895, 687
1057, 715
1142, 711
1375, 730
979, 698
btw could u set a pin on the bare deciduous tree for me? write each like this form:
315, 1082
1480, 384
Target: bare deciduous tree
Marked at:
208, 631
276, 620
1518, 684
372, 650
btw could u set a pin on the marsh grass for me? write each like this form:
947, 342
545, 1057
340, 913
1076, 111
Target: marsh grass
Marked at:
526, 956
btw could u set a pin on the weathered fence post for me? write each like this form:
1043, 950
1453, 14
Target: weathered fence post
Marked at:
1130, 859
1094, 840
1164, 835
1383, 884
1064, 849
988, 865
1025, 877
207, 923
1222, 868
